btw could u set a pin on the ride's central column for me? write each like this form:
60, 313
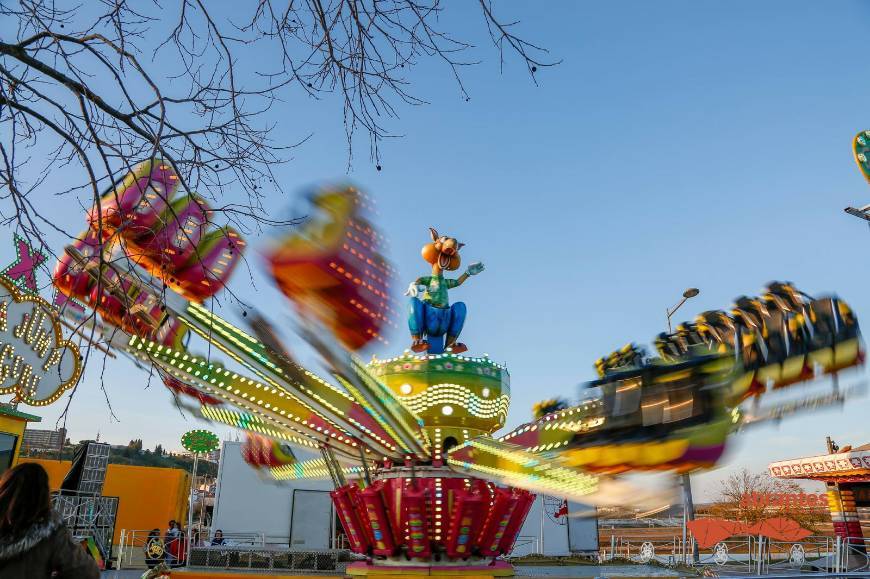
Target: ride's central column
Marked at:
457, 396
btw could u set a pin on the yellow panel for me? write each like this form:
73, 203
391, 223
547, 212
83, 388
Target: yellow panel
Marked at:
661, 452
741, 385
792, 368
845, 353
582, 456
823, 357
771, 372
148, 497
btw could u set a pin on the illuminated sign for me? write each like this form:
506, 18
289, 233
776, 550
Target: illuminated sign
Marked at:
36, 364
22, 271
200, 441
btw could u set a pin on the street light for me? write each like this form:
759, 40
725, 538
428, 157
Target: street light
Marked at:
860, 212
688, 506
689, 293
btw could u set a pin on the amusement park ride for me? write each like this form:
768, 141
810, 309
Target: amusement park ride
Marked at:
421, 482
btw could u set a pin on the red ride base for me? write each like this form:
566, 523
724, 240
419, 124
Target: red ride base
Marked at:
496, 568
431, 518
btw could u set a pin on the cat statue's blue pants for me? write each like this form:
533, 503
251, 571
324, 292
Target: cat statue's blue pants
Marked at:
435, 324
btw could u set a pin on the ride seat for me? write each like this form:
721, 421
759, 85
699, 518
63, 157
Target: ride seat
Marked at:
776, 337
824, 318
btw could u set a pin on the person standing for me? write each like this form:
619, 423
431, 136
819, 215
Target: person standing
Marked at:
172, 542
154, 549
34, 542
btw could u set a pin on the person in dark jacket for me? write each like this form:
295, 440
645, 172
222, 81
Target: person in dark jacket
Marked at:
154, 549
34, 542
218, 538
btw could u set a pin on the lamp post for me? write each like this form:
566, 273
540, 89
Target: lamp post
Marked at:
859, 212
688, 506
689, 293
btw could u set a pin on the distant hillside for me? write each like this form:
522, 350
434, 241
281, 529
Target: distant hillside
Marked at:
133, 455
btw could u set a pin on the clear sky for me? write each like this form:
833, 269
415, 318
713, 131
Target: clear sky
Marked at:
678, 144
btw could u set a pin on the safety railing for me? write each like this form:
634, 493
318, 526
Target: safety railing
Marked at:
525, 545
813, 554
747, 555
269, 559
733, 556
209, 548
851, 556
668, 551
139, 548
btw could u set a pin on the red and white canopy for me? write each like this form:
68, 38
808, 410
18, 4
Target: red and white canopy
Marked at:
853, 464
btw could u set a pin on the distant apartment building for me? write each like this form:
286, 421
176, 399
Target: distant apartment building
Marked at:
37, 439
213, 456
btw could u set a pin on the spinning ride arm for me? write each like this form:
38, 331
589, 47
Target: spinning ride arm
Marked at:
289, 402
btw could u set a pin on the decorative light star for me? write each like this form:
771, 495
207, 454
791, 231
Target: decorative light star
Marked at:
22, 271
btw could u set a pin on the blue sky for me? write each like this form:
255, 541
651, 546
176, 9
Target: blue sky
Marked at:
678, 144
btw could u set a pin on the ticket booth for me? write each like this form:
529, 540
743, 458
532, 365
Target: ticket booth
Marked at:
12, 425
846, 474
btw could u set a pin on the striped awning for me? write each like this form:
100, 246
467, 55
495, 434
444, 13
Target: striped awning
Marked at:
851, 464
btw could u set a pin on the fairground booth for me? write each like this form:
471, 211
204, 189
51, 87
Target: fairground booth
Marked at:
12, 425
846, 474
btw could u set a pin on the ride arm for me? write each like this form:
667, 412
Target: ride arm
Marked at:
315, 468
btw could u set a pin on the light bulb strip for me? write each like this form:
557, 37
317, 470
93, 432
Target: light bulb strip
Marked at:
323, 399
252, 423
438, 394
373, 396
309, 469
507, 463
409, 425
240, 391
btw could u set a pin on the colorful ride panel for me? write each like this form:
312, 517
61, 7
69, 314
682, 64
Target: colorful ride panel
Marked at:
332, 268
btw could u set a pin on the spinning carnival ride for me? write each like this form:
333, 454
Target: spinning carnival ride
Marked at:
420, 480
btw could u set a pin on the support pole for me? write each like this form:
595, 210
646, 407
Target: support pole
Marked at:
201, 512
365, 466
688, 515
683, 543
189, 538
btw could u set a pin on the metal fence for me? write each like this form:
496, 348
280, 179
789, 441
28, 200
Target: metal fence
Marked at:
525, 545
644, 550
851, 555
747, 555
234, 551
736, 556
253, 557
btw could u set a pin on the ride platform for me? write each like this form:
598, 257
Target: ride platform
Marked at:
500, 569
239, 574
496, 569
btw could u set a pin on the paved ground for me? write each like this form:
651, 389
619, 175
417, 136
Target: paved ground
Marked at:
543, 572
595, 571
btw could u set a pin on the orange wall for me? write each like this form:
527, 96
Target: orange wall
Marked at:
147, 496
